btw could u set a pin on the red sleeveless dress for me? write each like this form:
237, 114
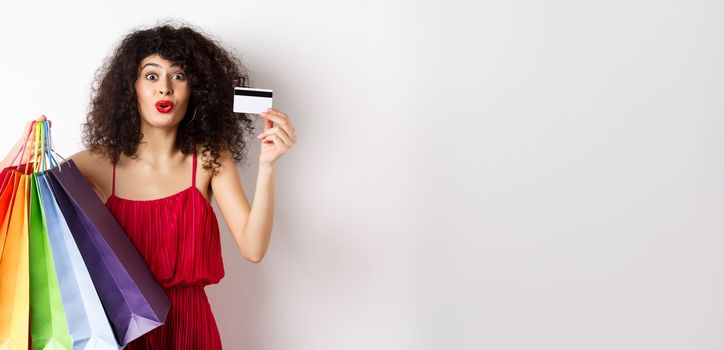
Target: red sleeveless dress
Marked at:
178, 236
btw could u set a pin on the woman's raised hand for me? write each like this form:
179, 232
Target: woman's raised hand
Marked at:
276, 140
31, 140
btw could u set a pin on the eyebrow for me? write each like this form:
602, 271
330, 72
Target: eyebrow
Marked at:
156, 65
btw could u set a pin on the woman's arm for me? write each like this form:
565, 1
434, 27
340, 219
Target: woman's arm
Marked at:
250, 226
9, 157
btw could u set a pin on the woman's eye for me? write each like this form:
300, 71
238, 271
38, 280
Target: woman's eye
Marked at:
153, 76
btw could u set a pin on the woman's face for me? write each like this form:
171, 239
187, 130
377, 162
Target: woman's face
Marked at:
163, 92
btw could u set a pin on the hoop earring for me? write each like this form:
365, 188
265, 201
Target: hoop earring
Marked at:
194, 116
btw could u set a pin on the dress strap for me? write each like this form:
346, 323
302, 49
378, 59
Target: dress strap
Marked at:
193, 172
113, 188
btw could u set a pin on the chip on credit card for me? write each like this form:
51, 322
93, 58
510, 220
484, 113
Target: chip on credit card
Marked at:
252, 100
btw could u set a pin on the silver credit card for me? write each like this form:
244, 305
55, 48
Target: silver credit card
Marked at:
252, 100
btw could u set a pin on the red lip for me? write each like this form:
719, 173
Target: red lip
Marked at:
164, 106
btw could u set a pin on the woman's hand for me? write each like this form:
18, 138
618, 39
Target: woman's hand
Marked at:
30, 146
276, 140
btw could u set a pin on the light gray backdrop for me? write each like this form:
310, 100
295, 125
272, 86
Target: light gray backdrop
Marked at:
469, 175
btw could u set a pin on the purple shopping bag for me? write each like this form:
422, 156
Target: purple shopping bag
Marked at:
134, 302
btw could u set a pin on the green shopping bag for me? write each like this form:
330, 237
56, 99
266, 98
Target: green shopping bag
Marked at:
48, 326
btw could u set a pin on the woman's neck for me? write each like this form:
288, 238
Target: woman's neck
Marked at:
158, 145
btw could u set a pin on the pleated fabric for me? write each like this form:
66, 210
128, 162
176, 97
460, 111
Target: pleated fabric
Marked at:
178, 236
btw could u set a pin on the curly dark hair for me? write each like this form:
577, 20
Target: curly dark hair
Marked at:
113, 122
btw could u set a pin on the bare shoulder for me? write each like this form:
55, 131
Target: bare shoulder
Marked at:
81, 157
226, 168
88, 161
225, 160
97, 169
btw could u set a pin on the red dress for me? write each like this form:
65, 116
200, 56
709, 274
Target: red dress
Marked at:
178, 236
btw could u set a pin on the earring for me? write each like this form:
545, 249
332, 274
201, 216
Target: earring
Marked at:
194, 116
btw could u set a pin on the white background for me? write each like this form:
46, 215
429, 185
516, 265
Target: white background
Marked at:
468, 175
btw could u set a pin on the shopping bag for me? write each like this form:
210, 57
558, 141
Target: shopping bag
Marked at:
134, 302
89, 327
48, 326
10, 181
14, 263
87, 322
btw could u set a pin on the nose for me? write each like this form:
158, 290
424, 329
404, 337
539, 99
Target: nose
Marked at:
165, 91
165, 88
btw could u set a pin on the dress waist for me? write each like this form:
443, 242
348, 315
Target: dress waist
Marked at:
199, 286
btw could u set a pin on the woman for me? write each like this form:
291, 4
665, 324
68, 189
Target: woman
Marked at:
164, 97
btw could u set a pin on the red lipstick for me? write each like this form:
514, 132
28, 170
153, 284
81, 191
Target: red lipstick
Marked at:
164, 106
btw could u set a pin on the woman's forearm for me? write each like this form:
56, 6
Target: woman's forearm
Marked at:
257, 232
9, 157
